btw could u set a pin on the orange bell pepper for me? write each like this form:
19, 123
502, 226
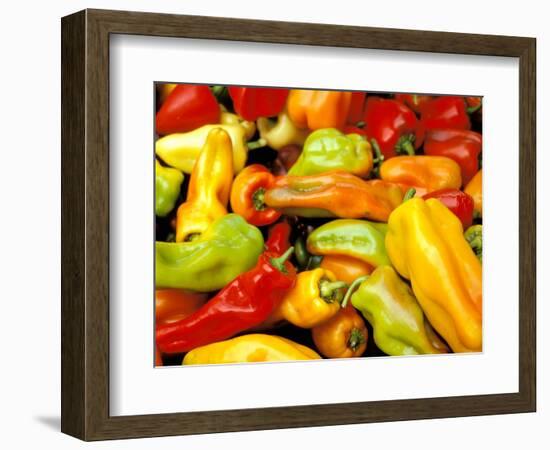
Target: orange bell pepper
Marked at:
474, 189
430, 172
346, 268
172, 305
323, 109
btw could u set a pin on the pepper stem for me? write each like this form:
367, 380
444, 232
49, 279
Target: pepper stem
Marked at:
356, 338
218, 90
279, 263
352, 288
473, 109
379, 157
252, 145
258, 199
409, 194
328, 290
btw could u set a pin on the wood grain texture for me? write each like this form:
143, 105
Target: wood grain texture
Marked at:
85, 224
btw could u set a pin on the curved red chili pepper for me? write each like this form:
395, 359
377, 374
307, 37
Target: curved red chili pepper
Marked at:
460, 203
251, 102
278, 241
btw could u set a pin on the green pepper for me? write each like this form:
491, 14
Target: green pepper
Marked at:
229, 247
399, 325
474, 236
330, 149
357, 238
167, 188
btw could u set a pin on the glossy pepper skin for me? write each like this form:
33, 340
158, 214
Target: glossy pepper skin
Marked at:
281, 132
251, 102
398, 322
446, 280
329, 149
393, 126
167, 188
458, 202
172, 305
278, 238
188, 106
462, 146
413, 101
250, 348
245, 302
345, 268
430, 172
334, 194
314, 299
209, 187
225, 250
227, 118
354, 238
247, 195
474, 237
445, 112
342, 336
181, 150
474, 189
319, 109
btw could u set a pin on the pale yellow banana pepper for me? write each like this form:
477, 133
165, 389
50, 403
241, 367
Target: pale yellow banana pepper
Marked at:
280, 133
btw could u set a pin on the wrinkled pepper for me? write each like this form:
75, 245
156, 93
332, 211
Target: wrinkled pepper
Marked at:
247, 195
430, 172
345, 268
280, 132
209, 187
426, 245
474, 189
342, 336
334, 194
245, 302
167, 188
229, 247
445, 112
397, 320
252, 102
474, 237
460, 204
462, 146
329, 149
188, 106
172, 305
321, 109
181, 150
359, 239
315, 298
250, 348
392, 127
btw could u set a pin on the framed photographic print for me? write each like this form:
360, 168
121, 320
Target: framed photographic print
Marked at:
254, 211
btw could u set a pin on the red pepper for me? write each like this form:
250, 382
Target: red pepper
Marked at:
251, 103
392, 126
413, 101
349, 129
356, 107
462, 146
244, 303
460, 203
445, 112
278, 241
187, 107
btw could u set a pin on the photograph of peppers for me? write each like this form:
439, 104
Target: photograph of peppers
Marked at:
300, 224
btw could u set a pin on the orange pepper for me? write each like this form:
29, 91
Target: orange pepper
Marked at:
420, 171
172, 305
474, 189
342, 336
346, 268
319, 109
164, 90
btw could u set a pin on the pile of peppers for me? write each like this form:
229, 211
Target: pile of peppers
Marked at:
297, 224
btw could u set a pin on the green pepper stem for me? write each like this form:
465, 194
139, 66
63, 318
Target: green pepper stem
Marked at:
328, 289
356, 338
252, 145
409, 194
407, 147
258, 199
378, 156
279, 263
473, 109
218, 90
352, 288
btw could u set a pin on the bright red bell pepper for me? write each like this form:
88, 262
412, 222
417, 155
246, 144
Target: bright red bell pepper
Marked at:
188, 106
462, 146
413, 101
445, 112
460, 204
251, 103
393, 126
356, 107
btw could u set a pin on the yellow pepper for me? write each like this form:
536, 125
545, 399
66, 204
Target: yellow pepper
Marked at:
209, 187
250, 348
315, 298
281, 133
181, 150
474, 189
426, 245
227, 118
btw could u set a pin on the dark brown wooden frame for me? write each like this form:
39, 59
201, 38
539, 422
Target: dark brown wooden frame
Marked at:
85, 224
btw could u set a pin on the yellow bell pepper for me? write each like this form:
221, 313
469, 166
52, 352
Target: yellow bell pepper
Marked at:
250, 348
426, 245
181, 150
209, 187
315, 298
281, 133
